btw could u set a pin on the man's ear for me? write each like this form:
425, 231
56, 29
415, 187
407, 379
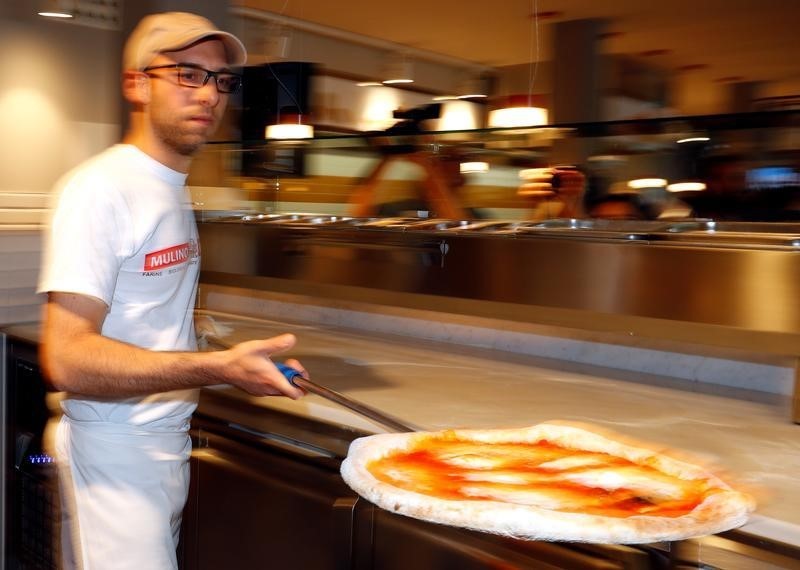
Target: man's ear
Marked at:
136, 87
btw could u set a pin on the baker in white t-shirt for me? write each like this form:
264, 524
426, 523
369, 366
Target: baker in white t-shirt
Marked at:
120, 269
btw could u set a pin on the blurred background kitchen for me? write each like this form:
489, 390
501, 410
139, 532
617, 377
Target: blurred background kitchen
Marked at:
596, 199
608, 79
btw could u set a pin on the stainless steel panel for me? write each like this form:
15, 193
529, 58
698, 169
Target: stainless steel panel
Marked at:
722, 276
733, 551
252, 506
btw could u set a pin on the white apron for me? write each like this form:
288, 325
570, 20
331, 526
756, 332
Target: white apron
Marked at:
131, 484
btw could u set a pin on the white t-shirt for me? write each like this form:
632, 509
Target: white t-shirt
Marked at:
123, 231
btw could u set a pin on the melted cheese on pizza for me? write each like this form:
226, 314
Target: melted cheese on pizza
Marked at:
539, 474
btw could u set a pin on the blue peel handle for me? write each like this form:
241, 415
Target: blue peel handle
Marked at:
288, 372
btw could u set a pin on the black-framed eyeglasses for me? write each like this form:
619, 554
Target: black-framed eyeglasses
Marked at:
190, 75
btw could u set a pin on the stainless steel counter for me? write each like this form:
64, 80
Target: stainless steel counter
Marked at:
742, 435
708, 274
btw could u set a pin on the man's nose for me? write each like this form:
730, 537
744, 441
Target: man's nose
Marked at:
208, 94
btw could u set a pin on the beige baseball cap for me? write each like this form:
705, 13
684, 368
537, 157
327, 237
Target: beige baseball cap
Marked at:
173, 31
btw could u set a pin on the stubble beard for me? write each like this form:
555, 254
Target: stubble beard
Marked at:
183, 143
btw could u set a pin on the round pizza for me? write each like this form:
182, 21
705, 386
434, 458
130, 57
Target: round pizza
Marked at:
546, 482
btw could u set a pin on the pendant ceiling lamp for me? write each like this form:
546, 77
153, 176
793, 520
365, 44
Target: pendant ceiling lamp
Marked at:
398, 70
473, 88
528, 109
289, 126
687, 186
519, 111
473, 167
644, 183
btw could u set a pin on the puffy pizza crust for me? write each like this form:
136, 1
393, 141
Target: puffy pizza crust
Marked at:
719, 511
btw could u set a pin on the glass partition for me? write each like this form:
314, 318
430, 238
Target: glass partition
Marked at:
742, 167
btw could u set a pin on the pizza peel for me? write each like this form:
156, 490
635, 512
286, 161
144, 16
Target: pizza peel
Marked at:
296, 378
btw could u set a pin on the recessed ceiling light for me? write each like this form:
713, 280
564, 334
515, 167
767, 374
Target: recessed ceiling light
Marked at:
55, 9
640, 183
55, 14
686, 187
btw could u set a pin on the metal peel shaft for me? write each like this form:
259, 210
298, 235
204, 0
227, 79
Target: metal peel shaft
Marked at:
297, 379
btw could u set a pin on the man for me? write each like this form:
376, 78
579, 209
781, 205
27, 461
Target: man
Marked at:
120, 269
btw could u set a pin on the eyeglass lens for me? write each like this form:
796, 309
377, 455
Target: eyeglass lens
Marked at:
190, 76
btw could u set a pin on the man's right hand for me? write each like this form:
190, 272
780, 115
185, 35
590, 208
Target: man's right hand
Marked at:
249, 366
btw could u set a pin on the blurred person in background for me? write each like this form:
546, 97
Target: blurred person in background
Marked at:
553, 192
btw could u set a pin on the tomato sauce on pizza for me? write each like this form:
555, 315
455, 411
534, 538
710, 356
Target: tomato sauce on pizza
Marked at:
540, 473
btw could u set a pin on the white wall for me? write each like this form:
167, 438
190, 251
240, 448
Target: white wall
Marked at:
59, 98
59, 104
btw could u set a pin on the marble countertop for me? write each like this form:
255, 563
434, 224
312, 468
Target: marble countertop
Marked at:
745, 437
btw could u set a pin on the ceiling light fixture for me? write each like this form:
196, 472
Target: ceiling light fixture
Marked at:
519, 111
458, 115
473, 88
290, 126
398, 70
693, 139
525, 110
640, 183
686, 187
473, 167
57, 9
289, 131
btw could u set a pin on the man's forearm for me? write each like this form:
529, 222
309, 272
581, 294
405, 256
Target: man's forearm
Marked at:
93, 365
78, 359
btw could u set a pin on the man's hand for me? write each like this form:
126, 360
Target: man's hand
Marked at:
250, 368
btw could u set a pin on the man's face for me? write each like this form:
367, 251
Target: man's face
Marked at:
183, 118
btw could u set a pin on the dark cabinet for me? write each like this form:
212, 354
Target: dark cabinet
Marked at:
30, 501
252, 505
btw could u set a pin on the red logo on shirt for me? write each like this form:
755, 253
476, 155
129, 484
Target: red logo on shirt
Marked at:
168, 257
